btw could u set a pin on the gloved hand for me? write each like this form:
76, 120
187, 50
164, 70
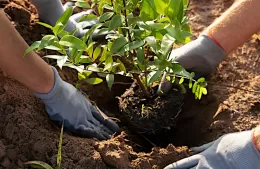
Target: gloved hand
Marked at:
231, 151
65, 102
50, 11
201, 56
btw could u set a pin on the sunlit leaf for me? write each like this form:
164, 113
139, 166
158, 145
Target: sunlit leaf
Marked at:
73, 42
81, 76
115, 22
153, 76
152, 42
96, 53
94, 81
140, 55
45, 25
118, 44
85, 59
181, 80
110, 80
106, 16
60, 62
121, 65
62, 21
204, 90
132, 45
190, 84
34, 46
82, 4
194, 88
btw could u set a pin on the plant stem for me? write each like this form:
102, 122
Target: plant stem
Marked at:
135, 76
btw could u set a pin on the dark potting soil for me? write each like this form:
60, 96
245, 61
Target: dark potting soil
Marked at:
150, 116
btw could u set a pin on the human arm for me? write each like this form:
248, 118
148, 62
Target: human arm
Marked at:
233, 28
63, 101
236, 150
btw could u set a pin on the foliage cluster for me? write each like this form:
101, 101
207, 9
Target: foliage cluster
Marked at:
141, 35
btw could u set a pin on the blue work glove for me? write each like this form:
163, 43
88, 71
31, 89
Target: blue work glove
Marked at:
51, 10
231, 151
65, 103
201, 56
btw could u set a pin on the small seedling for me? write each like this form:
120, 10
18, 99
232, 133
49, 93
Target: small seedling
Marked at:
43, 165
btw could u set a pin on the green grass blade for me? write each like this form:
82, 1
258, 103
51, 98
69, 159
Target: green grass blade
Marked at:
38, 164
60, 147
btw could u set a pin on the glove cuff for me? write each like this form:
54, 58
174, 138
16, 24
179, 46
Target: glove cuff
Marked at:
55, 91
213, 39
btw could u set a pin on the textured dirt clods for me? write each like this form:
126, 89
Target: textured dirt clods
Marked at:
117, 153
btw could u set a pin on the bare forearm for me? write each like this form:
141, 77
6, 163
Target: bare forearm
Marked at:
237, 24
30, 70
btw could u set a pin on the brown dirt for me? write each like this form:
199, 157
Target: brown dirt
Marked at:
26, 133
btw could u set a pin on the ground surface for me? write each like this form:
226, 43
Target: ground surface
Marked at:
26, 133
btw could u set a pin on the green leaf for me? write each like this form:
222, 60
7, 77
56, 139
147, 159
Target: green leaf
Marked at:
81, 76
132, 45
73, 42
79, 68
46, 41
34, 46
94, 81
175, 32
152, 42
87, 73
148, 10
104, 55
118, 44
62, 21
173, 8
121, 65
167, 45
106, 16
161, 6
108, 63
199, 93
190, 83
115, 22
60, 62
194, 88
82, 4
181, 80
204, 90
60, 148
110, 80
57, 57
93, 68
38, 164
90, 48
45, 25
153, 76
88, 18
168, 78
96, 53
140, 55
201, 80
85, 59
